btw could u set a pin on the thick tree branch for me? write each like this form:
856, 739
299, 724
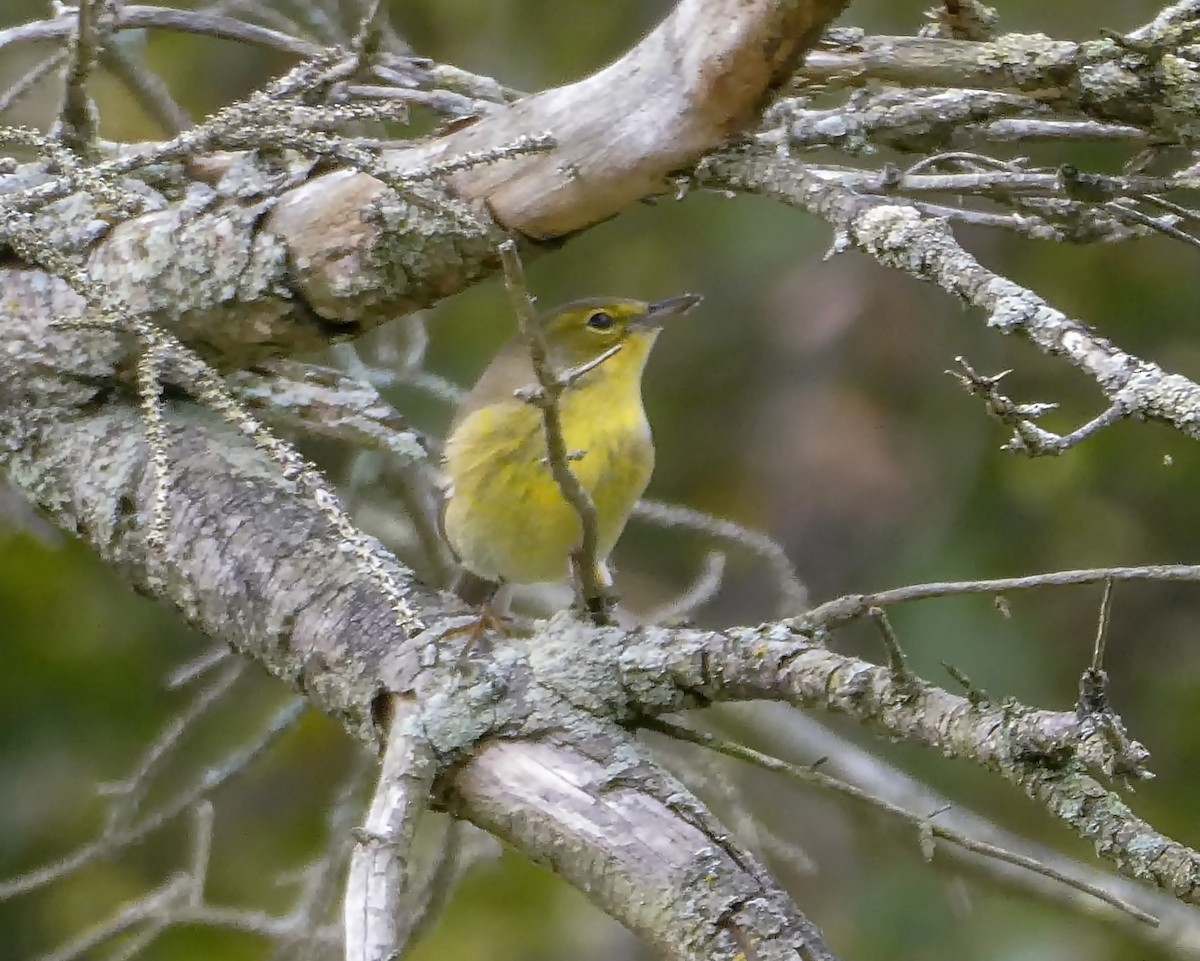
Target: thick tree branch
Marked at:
379, 916
696, 80
611, 824
267, 261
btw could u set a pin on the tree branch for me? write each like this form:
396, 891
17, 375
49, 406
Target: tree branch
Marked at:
898, 235
340, 253
378, 915
77, 119
695, 81
1102, 79
689, 894
786, 732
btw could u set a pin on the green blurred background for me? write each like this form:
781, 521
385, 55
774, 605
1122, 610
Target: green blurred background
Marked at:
805, 399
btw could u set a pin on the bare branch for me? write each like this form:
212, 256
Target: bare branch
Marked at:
147, 88
131, 916
128, 794
30, 79
326, 403
1028, 437
163, 813
793, 733
267, 12
923, 823
676, 873
842, 609
198, 667
699, 593
793, 596
77, 119
378, 916
1025, 130
621, 131
323, 880
893, 233
138, 17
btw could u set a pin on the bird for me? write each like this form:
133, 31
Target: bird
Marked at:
504, 515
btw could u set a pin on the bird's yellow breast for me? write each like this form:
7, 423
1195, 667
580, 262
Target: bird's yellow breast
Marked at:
506, 517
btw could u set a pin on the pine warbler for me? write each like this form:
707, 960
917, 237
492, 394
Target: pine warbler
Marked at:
505, 516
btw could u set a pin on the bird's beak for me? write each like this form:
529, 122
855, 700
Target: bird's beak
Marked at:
656, 314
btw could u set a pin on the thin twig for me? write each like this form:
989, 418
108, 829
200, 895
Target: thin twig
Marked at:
586, 562
851, 606
128, 794
370, 30
201, 849
30, 79
77, 120
573, 374
444, 102
1037, 440
810, 775
1028, 437
702, 590
323, 878
793, 595
1093, 682
896, 659
1154, 223
414, 488
130, 916
165, 812
266, 11
198, 666
139, 17
1185, 213
147, 87
1102, 626
1025, 130
782, 731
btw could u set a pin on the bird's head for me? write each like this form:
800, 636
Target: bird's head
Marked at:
583, 330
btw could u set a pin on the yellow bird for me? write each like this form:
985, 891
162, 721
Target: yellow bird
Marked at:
505, 516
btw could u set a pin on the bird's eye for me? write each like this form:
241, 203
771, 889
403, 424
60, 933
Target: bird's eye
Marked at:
600, 321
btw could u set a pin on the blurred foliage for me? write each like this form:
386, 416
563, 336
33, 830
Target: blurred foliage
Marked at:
806, 399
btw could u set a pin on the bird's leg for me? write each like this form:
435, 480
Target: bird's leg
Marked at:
599, 607
491, 599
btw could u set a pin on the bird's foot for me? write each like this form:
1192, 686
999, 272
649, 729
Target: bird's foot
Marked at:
599, 609
489, 621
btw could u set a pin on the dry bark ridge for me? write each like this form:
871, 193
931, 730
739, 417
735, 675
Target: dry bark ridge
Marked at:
261, 259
